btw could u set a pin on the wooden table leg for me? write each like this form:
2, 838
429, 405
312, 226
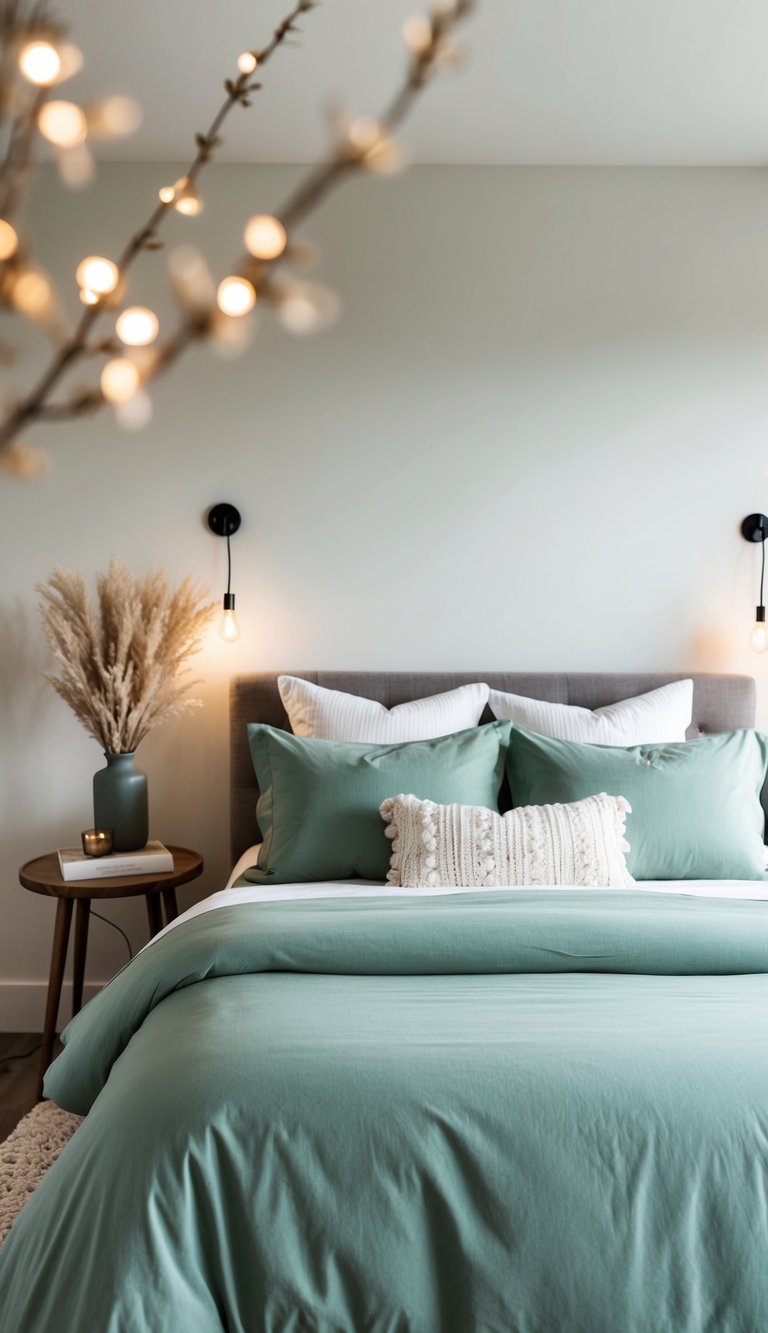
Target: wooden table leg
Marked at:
55, 978
154, 914
169, 903
82, 917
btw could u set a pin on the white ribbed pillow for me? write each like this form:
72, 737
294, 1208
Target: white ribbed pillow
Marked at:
654, 718
466, 845
332, 715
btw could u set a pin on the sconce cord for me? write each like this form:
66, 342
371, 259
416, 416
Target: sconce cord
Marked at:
229, 567
762, 572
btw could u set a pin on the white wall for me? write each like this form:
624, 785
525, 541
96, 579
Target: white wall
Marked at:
528, 444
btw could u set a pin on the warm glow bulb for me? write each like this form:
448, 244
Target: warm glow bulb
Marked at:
265, 236
9, 241
32, 293
63, 124
246, 62
228, 627
165, 194
88, 297
235, 296
758, 639
97, 274
137, 326
417, 31
186, 198
119, 380
40, 63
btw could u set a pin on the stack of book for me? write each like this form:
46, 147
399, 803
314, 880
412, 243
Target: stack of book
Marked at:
154, 859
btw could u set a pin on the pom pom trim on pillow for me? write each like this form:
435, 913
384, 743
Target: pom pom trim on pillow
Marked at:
581, 843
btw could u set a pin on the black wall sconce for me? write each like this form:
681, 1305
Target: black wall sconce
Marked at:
224, 520
754, 528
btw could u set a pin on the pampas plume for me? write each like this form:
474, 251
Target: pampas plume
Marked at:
121, 661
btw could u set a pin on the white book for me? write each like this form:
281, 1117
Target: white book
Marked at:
154, 859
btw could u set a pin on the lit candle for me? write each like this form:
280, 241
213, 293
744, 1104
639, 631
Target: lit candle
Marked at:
98, 841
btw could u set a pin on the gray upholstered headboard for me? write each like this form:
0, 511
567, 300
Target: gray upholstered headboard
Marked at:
720, 703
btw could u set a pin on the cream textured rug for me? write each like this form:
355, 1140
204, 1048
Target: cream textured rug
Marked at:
26, 1155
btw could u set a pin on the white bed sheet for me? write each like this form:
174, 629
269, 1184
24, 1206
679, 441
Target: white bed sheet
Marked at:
359, 888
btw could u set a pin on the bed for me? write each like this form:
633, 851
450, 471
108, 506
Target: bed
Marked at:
338, 1107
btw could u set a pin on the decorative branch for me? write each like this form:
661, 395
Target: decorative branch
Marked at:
361, 146
34, 405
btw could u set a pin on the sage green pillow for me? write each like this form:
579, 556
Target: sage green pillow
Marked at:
319, 805
696, 811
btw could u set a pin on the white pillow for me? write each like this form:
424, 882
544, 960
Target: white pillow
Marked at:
332, 715
466, 845
654, 718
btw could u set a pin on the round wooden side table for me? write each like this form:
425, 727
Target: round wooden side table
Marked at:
43, 876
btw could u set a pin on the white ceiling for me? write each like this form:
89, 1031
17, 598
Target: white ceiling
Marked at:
581, 82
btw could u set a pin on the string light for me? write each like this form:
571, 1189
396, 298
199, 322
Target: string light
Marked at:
113, 117
119, 380
246, 62
9, 241
186, 199
97, 274
40, 63
417, 31
32, 293
235, 296
265, 236
88, 297
137, 326
165, 194
63, 124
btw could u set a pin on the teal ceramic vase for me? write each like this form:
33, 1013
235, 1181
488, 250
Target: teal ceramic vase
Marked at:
120, 801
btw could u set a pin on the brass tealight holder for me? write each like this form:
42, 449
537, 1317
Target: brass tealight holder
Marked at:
98, 841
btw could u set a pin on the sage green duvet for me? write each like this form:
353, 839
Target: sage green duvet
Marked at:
524, 1111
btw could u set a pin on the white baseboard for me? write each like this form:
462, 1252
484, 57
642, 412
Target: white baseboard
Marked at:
22, 1004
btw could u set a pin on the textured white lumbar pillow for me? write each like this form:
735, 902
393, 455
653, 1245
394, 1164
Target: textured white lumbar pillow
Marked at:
466, 845
332, 715
655, 718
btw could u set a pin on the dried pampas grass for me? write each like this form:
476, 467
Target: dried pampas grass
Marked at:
121, 660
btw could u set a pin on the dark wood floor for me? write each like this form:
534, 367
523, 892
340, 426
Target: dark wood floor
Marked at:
18, 1076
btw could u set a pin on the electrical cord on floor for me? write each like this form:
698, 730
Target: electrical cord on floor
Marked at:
115, 926
23, 1055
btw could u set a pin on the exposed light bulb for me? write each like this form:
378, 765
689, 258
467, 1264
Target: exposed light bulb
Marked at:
265, 236
229, 629
88, 297
758, 639
186, 199
235, 296
9, 241
137, 326
165, 194
40, 63
119, 380
246, 62
99, 275
62, 124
